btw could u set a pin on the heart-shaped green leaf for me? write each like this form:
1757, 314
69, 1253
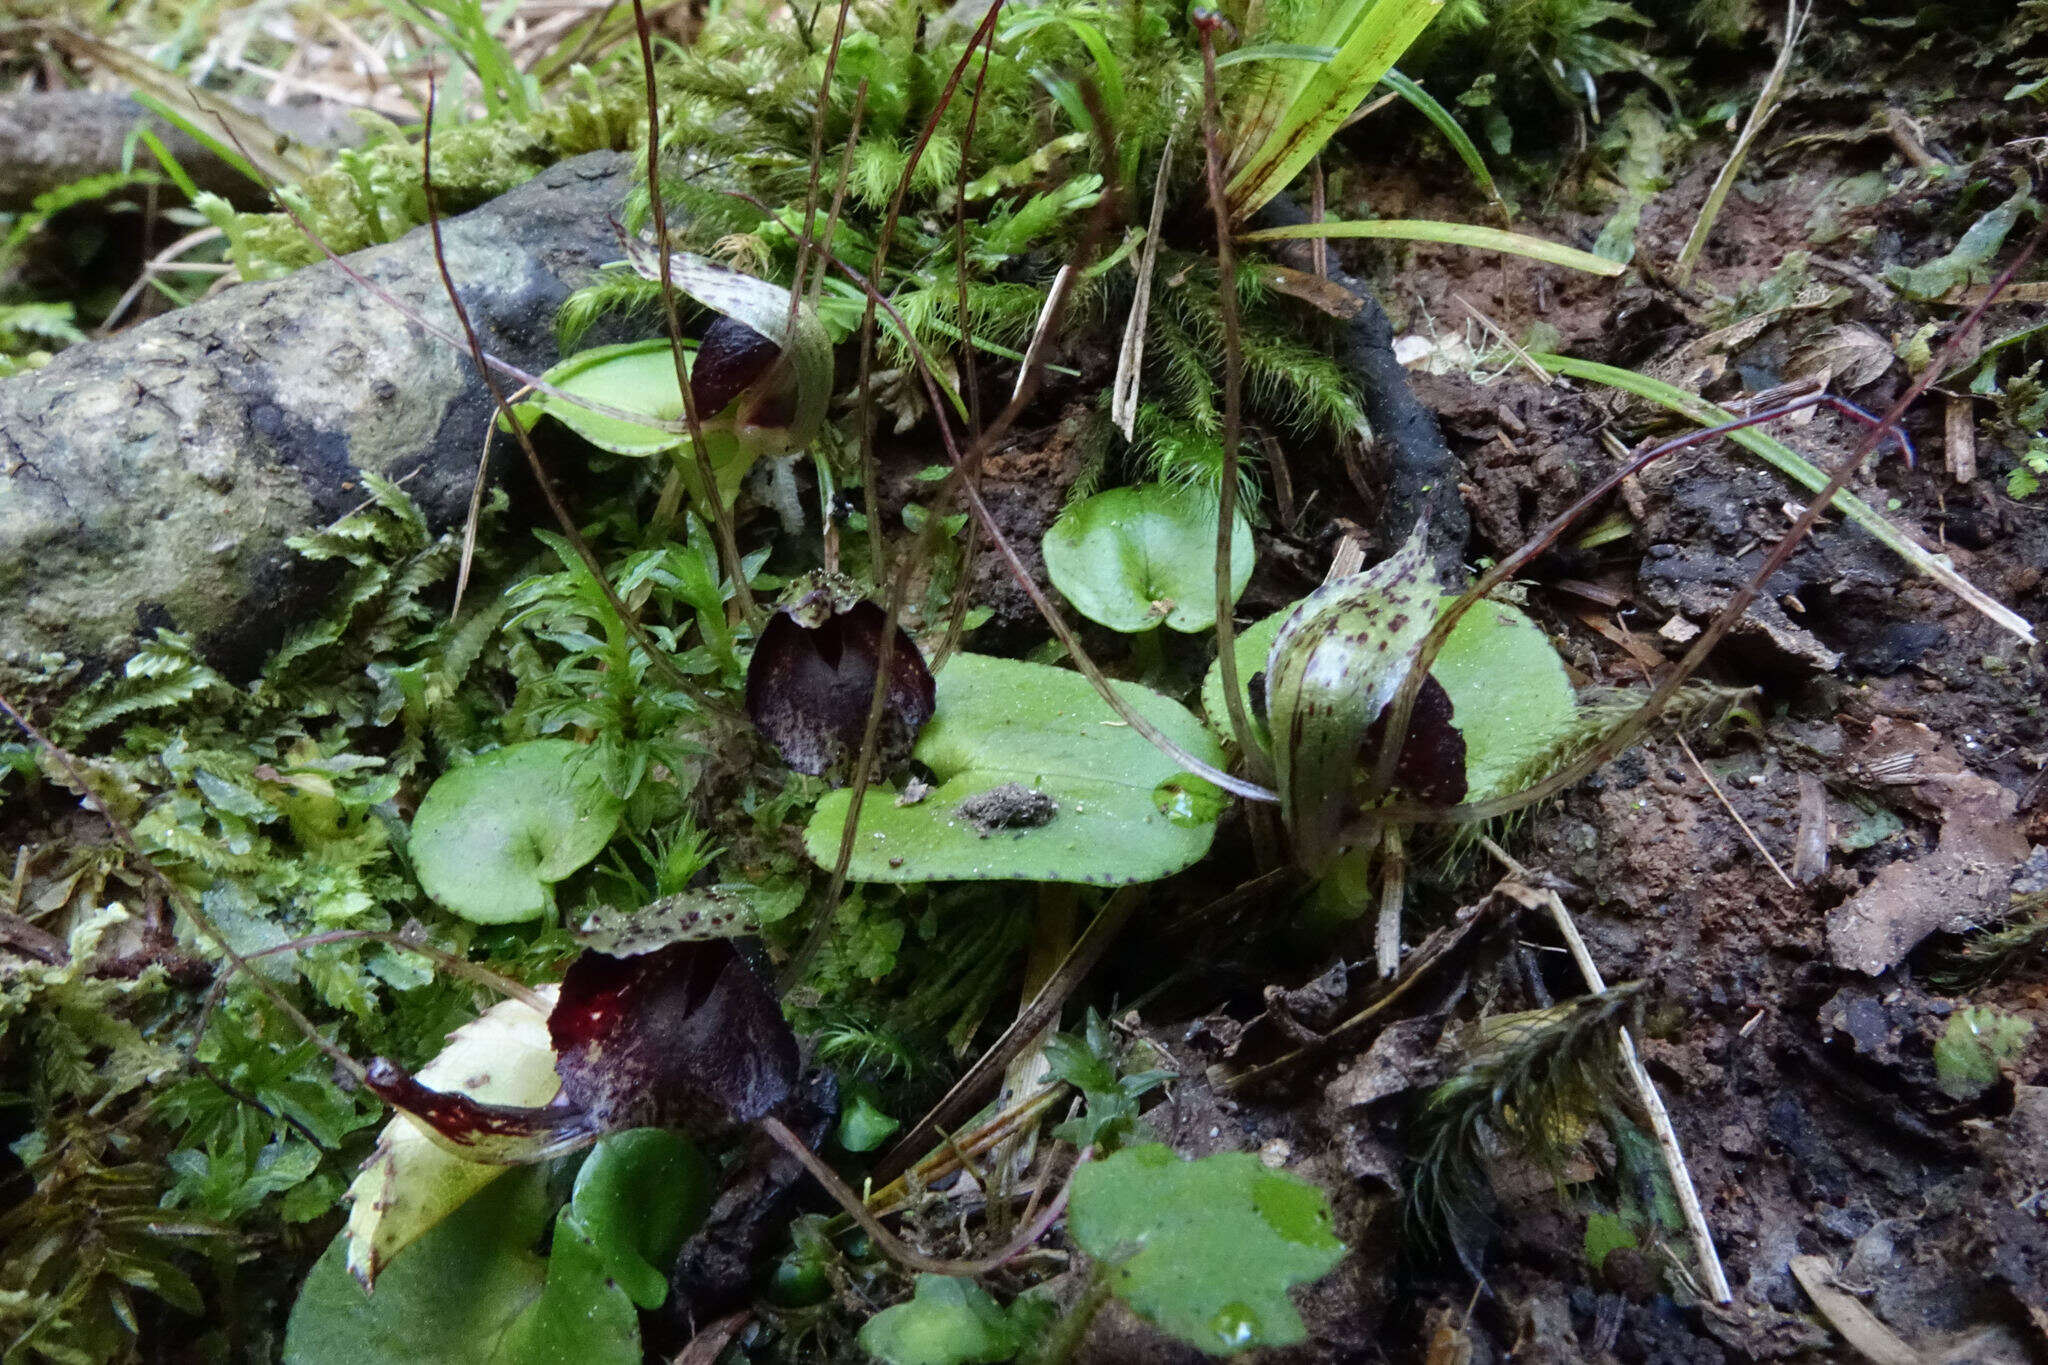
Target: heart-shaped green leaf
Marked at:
1134, 557
639, 376
1037, 780
491, 839
472, 1292
448, 1301
1207, 1249
1513, 699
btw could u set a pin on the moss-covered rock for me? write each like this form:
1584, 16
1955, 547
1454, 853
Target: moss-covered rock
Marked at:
152, 478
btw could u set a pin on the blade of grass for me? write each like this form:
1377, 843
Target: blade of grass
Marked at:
1798, 468
1451, 234
1759, 115
1376, 39
1453, 132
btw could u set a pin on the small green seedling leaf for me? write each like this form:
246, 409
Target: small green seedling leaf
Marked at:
1036, 780
637, 1196
1977, 1041
490, 840
1205, 1250
1132, 558
410, 1182
1970, 260
950, 1321
1606, 1233
863, 1126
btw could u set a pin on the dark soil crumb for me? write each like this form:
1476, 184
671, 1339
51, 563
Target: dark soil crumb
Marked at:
1010, 806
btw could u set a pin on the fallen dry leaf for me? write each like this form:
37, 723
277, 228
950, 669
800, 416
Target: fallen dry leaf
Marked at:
1967, 874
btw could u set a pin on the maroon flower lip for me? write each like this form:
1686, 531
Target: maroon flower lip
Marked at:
685, 1037
731, 358
809, 686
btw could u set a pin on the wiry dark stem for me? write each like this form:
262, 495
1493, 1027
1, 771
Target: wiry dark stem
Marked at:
655, 655
1233, 385
807, 237
714, 501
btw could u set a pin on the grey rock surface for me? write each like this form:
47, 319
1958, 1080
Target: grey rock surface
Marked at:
152, 479
54, 137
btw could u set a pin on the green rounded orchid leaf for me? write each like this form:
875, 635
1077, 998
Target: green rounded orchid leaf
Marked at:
1036, 780
639, 376
1510, 696
450, 1300
1134, 557
491, 839
1205, 1250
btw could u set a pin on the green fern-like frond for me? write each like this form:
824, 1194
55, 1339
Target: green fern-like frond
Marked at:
165, 673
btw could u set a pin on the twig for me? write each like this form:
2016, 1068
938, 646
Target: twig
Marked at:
1130, 358
1386, 942
1646, 1089
1759, 115
1740, 823
957, 1150
1039, 1014
1495, 330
